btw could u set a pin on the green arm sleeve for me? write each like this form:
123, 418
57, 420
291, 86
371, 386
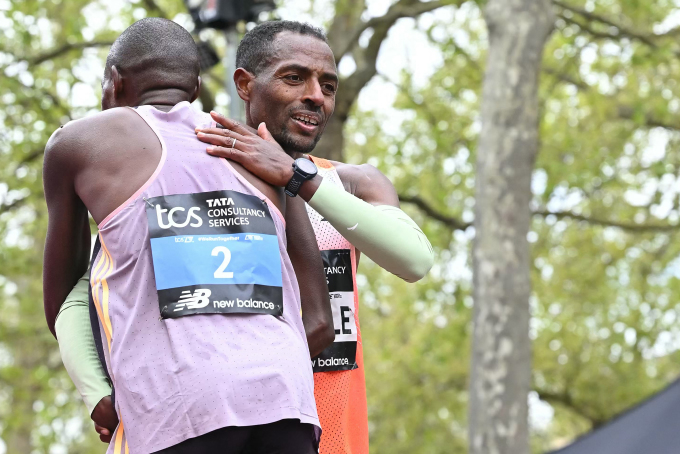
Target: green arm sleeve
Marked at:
76, 344
386, 234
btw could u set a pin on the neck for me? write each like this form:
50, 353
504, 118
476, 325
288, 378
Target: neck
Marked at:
293, 154
164, 99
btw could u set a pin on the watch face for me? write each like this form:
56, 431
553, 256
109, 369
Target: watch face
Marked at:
306, 166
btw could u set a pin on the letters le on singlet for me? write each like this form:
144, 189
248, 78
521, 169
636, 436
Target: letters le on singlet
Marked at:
341, 355
214, 253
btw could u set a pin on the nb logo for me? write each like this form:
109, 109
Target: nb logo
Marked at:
171, 219
196, 301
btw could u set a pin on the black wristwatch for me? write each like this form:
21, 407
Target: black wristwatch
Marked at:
303, 170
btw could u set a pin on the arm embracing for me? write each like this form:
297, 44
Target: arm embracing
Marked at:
379, 229
77, 347
67, 246
306, 259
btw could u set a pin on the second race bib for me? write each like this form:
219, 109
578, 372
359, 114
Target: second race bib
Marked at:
214, 253
341, 355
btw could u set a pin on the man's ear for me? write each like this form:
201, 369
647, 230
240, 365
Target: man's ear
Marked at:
244, 81
197, 92
117, 81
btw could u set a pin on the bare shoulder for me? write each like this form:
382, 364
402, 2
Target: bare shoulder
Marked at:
367, 183
77, 137
94, 125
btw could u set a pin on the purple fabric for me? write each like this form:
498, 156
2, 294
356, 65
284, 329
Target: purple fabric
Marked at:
180, 378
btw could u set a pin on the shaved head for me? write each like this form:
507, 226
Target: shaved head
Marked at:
155, 53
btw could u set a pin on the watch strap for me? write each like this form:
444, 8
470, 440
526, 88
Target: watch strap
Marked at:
295, 183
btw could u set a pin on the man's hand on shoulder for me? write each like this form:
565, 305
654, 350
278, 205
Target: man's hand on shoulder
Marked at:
256, 150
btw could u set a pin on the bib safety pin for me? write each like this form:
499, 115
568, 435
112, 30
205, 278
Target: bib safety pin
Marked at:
147, 201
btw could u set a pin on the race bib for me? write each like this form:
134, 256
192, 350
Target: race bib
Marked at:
214, 253
341, 355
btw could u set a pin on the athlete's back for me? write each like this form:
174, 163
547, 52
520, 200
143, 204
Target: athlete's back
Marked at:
178, 371
179, 378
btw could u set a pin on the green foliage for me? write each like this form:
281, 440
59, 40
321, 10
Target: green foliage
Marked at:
47, 80
417, 337
605, 273
605, 268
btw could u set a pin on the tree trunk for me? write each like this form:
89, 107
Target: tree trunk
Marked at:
501, 352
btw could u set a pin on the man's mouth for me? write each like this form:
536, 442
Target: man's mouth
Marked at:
306, 122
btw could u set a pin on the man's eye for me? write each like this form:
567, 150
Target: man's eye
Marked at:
294, 78
330, 88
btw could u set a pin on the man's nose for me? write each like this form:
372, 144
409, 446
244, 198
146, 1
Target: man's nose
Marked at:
313, 93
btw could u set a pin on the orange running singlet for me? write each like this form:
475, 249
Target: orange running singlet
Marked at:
339, 384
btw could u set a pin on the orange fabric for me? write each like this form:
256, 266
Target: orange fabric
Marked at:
321, 162
341, 404
341, 395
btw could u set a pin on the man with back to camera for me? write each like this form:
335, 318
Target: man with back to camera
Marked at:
287, 78
194, 290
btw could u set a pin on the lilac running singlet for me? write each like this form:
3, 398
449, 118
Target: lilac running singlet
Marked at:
180, 262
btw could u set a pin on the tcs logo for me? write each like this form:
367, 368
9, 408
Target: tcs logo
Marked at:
197, 221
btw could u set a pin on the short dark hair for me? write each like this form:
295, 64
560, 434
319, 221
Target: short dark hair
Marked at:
156, 45
255, 51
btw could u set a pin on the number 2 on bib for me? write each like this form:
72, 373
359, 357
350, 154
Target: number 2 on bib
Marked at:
226, 261
220, 273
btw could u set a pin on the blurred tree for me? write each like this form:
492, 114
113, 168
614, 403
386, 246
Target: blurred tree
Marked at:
51, 61
344, 31
605, 205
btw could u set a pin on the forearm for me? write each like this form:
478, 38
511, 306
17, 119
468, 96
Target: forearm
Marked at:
386, 234
67, 249
317, 317
77, 347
